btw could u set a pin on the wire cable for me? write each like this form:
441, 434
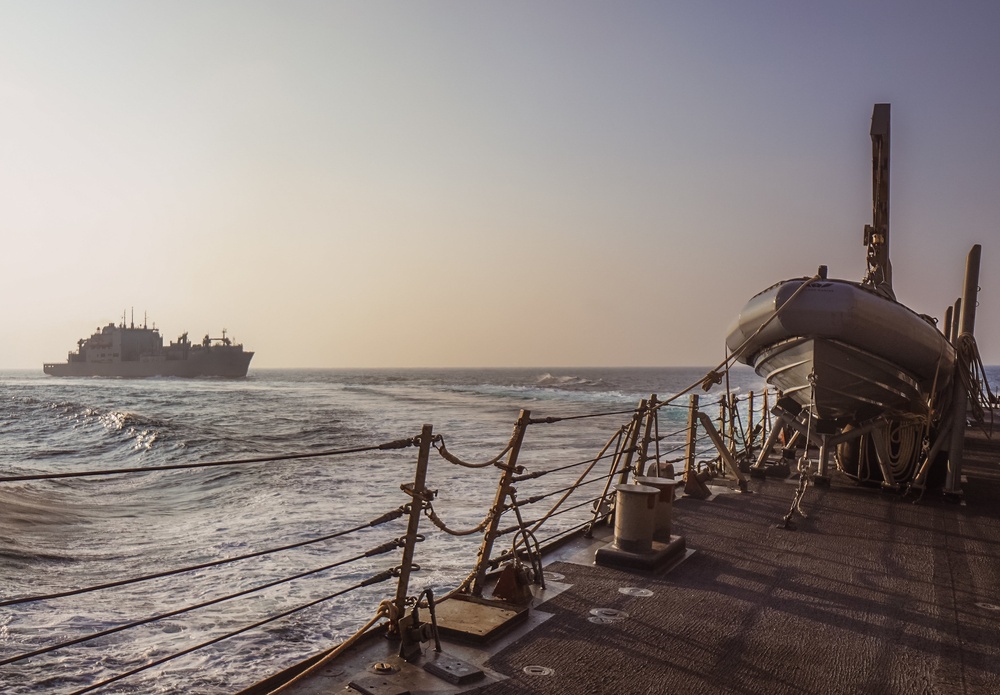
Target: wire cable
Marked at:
371, 580
204, 565
188, 609
398, 444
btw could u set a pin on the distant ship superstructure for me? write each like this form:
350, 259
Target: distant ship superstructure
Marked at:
131, 351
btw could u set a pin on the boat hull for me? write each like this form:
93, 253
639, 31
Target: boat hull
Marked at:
843, 351
839, 382
217, 361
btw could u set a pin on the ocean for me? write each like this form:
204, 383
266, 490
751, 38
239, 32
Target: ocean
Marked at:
65, 534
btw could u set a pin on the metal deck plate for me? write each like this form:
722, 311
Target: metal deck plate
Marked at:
477, 620
374, 685
453, 670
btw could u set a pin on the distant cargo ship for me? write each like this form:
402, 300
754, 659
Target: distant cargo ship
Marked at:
130, 351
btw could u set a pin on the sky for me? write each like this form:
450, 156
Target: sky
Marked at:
480, 184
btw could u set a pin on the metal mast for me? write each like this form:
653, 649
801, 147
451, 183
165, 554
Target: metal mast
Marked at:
879, 275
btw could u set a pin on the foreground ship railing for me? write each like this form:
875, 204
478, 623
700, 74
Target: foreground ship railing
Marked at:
541, 497
538, 501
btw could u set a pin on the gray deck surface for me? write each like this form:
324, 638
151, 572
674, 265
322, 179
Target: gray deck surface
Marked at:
869, 594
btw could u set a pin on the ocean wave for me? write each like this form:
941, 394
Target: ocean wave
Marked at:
79, 532
567, 381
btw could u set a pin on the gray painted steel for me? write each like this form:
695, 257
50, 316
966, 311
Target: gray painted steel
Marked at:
120, 351
868, 354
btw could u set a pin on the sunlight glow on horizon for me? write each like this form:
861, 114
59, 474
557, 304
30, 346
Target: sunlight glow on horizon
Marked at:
499, 184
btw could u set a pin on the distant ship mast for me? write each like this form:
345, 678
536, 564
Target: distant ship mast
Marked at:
879, 275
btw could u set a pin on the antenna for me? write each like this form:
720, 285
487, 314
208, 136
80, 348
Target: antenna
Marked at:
879, 275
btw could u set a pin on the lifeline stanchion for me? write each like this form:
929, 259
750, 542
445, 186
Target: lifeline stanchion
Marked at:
417, 492
647, 436
601, 501
633, 440
692, 434
483, 558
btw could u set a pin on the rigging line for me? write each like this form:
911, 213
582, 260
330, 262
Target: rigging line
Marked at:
672, 450
188, 609
683, 430
553, 419
371, 580
739, 351
206, 565
437, 521
398, 444
539, 498
585, 503
572, 529
333, 652
664, 404
539, 474
559, 512
739, 421
566, 494
451, 458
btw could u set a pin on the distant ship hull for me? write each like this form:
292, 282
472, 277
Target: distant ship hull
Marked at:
217, 363
130, 351
844, 352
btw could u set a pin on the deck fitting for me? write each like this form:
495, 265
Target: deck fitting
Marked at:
455, 671
604, 616
475, 620
635, 591
658, 557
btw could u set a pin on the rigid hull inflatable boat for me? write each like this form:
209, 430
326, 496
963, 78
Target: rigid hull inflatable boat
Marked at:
857, 370
842, 350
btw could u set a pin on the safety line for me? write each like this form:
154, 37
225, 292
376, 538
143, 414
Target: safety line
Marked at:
179, 611
226, 636
398, 444
214, 563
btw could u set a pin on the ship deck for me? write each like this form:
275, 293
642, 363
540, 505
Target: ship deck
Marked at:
871, 593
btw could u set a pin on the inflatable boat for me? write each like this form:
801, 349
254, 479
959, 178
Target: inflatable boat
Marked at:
842, 350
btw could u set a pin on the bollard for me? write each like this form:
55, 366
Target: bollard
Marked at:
635, 516
664, 505
634, 546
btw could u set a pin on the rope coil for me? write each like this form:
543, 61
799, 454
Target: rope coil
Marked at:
451, 458
436, 520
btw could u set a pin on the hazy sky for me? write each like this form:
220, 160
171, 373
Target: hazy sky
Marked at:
375, 184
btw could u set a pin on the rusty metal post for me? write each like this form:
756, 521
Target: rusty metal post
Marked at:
879, 275
724, 453
692, 436
956, 450
723, 402
970, 297
733, 417
632, 441
503, 490
416, 509
599, 507
750, 435
766, 415
824, 460
769, 442
956, 317
960, 399
947, 323
647, 436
